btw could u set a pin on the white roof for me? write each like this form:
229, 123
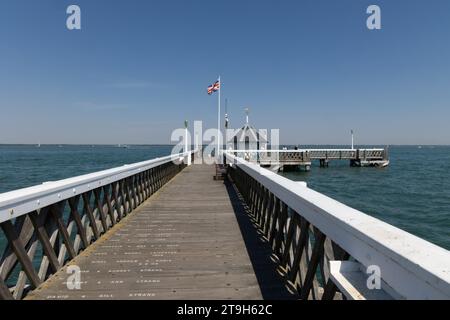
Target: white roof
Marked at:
251, 132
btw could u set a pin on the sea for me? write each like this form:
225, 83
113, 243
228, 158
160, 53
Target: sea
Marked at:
412, 193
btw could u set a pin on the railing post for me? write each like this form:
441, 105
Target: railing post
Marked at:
269, 215
290, 235
275, 221
316, 254
299, 249
280, 234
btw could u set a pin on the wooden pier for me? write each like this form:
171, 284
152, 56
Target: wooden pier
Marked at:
164, 229
287, 160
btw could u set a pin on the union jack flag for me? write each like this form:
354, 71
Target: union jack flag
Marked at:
214, 87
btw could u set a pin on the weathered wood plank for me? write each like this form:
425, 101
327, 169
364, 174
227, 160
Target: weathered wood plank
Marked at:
38, 224
90, 214
56, 212
312, 266
280, 232
19, 250
289, 237
100, 210
22, 278
73, 203
5, 294
24, 228
304, 225
107, 200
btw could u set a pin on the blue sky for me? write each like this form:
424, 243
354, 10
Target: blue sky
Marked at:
138, 68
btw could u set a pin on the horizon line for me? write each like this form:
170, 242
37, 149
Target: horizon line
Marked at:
174, 144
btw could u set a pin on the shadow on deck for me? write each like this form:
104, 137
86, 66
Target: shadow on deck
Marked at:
270, 282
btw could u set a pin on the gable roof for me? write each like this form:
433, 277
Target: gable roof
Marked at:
248, 131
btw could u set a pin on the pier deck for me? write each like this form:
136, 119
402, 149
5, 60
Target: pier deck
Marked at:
190, 240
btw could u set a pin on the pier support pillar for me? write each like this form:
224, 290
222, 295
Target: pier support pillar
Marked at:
355, 163
323, 163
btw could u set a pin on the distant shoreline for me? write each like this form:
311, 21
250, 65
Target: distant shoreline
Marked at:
168, 144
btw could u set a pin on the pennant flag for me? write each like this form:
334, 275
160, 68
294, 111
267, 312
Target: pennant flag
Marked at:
214, 87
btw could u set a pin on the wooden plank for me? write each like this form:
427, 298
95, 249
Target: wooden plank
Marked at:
73, 203
128, 201
275, 222
56, 212
107, 200
304, 225
264, 207
259, 207
332, 253
351, 278
22, 278
115, 198
5, 294
269, 216
133, 189
146, 185
253, 193
19, 250
8, 261
100, 210
312, 266
290, 235
151, 181
90, 213
52, 230
280, 233
141, 188
38, 224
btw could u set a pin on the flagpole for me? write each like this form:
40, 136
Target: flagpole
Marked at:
218, 125
352, 139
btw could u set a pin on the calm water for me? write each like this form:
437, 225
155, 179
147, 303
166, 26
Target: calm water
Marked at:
413, 193
24, 166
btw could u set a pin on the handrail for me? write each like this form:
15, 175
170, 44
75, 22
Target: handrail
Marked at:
18, 202
306, 155
412, 267
300, 150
